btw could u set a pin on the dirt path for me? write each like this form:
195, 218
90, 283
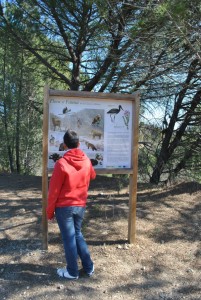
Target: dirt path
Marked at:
165, 262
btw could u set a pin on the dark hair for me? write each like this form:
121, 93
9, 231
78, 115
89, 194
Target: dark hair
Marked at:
71, 139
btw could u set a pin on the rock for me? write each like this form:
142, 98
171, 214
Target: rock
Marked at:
189, 270
60, 287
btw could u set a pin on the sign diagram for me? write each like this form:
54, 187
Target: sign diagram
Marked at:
104, 128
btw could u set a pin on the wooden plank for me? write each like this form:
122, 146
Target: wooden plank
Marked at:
45, 170
133, 177
106, 171
92, 95
114, 171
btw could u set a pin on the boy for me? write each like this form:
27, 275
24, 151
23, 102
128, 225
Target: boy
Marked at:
67, 197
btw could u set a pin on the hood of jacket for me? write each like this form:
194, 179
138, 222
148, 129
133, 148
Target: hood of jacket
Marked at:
75, 158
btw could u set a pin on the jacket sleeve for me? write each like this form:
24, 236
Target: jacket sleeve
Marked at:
93, 173
55, 185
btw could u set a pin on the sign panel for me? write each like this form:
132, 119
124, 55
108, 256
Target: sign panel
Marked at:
107, 125
104, 127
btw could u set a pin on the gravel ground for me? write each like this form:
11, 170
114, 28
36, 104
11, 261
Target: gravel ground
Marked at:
164, 263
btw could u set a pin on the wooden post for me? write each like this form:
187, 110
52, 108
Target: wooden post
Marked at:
133, 177
45, 170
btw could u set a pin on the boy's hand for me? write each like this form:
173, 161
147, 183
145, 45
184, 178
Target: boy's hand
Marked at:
52, 220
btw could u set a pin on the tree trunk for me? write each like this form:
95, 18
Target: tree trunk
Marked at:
17, 135
171, 138
5, 118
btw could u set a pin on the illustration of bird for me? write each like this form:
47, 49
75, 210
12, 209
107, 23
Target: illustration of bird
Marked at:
113, 112
66, 110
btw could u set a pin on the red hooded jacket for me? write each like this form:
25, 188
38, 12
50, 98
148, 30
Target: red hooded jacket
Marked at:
70, 181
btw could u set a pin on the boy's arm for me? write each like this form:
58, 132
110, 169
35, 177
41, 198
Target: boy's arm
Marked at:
55, 185
93, 173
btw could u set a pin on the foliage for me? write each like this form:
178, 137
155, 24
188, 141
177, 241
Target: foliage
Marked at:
20, 114
108, 46
122, 180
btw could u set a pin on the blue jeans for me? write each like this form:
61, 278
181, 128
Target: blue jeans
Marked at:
70, 220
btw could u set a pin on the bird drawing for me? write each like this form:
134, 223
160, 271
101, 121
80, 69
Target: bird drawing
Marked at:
66, 110
113, 112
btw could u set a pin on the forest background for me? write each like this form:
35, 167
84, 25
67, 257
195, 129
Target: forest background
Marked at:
104, 46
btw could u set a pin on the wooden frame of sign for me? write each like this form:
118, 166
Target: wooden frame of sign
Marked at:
57, 102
